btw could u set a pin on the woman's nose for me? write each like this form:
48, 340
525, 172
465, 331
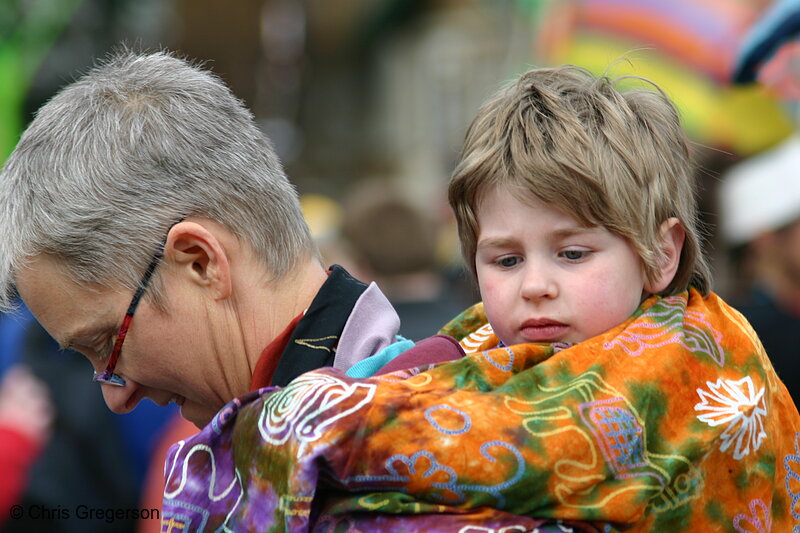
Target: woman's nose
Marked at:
118, 399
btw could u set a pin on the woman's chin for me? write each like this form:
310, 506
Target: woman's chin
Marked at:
198, 415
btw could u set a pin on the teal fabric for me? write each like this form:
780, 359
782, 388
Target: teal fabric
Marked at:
369, 367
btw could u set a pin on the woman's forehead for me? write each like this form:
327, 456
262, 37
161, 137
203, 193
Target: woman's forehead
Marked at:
62, 306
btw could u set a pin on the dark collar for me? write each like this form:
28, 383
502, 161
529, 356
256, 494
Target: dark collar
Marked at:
313, 342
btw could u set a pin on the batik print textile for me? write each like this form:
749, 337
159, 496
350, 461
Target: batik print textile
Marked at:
673, 421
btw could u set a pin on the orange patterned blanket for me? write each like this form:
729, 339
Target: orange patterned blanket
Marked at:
672, 421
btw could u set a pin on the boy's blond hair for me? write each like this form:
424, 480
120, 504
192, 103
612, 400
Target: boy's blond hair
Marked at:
609, 158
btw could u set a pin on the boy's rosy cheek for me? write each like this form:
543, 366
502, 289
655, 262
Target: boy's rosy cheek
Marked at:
489, 289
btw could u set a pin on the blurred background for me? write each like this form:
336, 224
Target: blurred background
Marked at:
367, 102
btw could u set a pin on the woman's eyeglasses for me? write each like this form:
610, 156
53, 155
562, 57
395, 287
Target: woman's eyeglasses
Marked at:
108, 376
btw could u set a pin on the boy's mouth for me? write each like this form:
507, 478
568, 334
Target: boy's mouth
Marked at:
542, 330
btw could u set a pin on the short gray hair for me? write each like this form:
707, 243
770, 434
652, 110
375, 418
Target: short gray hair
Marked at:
138, 143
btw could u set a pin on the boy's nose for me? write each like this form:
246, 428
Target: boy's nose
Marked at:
538, 284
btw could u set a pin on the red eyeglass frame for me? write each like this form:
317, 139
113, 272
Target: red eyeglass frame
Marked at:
108, 376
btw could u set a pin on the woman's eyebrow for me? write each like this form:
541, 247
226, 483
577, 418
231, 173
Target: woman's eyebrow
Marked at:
87, 332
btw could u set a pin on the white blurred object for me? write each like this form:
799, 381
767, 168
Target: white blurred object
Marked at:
761, 193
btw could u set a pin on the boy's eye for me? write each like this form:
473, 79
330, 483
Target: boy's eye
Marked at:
508, 261
574, 255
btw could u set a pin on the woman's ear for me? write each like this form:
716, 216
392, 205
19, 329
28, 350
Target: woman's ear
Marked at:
198, 256
671, 238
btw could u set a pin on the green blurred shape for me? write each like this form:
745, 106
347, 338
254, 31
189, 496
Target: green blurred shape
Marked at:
28, 30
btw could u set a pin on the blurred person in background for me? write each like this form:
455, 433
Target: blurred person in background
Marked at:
26, 415
760, 222
395, 244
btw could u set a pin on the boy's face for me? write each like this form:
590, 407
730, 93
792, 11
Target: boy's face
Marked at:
544, 277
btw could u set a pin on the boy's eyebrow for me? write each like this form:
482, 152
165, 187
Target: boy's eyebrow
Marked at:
497, 242
577, 230
501, 242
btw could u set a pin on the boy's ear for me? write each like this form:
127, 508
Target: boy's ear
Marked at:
671, 238
198, 256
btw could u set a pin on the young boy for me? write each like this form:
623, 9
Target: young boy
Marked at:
574, 201
607, 387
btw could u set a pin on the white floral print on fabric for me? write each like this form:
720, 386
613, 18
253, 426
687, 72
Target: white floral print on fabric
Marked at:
738, 405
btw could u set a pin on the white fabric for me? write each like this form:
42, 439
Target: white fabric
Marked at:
761, 193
